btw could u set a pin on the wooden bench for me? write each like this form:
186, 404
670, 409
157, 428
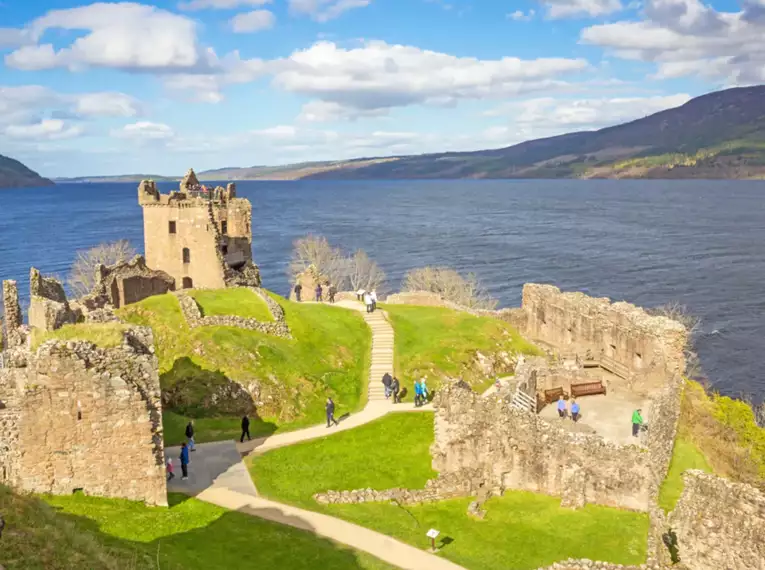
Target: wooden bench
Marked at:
587, 389
555, 393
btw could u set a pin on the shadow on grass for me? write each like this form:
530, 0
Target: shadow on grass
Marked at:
39, 537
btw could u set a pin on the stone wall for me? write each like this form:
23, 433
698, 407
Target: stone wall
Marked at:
130, 282
278, 327
48, 308
719, 524
85, 417
13, 318
648, 348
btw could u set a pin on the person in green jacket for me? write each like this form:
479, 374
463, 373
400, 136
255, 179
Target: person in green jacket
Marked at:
637, 421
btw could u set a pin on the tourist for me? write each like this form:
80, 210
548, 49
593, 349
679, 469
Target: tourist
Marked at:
417, 394
637, 422
245, 428
298, 289
318, 292
387, 380
190, 435
332, 293
575, 411
394, 388
373, 296
368, 301
185, 461
424, 386
360, 294
561, 407
331, 412
170, 470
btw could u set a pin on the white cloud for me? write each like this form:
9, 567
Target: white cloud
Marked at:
686, 37
324, 10
379, 76
329, 111
207, 88
106, 104
144, 130
122, 35
579, 8
220, 4
521, 16
254, 21
47, 129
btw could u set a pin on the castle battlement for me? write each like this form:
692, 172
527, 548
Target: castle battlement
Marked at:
200, 236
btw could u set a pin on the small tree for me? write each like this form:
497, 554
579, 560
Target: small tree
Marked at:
363, 273
451, 286
328, 261
82, 276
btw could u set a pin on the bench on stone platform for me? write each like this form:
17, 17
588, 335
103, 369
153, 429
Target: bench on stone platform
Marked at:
553, 394
587, 389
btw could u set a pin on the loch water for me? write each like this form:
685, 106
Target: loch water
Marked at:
647, 242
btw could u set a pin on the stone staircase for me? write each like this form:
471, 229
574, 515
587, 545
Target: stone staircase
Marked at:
382, 353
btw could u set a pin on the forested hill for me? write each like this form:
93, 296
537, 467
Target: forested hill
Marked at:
13, 174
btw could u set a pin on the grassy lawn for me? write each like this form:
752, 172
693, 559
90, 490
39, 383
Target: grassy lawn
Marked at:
393, 452
238, 302
439, 343
685, 456
105, 335
95, 533
328, 356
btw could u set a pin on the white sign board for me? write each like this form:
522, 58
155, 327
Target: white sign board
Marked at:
432, 533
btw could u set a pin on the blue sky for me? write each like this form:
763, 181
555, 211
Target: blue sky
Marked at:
123, 87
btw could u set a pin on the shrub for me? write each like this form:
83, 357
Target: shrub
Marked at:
363, 273
82, 277
451, 286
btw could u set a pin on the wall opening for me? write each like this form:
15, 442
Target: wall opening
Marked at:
224, 249
224, 227
171, 227
188, 283
2, 405
186, 255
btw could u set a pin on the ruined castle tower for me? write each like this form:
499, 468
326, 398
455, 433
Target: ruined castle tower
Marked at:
200, 237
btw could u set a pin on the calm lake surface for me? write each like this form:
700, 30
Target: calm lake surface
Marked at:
696, 242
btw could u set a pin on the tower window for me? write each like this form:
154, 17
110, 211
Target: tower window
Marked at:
187, 283
186, 255
224, 249
224, 227
171, 227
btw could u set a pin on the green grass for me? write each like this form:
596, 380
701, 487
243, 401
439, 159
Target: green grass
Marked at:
438, 343
521, 531
685, 456
328, 356
95, 533
105, 335
238, 302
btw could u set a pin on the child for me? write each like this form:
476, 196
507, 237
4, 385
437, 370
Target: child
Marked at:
170, 473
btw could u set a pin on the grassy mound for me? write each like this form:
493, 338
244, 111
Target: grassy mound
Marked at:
238, 302
108, 534
393, 452
328, 356
438, 343
105, 335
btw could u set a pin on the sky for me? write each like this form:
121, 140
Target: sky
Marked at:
157, 87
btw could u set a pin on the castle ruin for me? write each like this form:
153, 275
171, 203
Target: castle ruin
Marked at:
201, 237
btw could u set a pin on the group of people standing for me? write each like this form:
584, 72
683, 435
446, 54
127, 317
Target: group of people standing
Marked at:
186, 447
563, 411
369, 298
318, 292
393, 388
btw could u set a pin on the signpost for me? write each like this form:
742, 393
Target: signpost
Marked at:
432, 534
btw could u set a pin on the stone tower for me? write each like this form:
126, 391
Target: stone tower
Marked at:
201, 237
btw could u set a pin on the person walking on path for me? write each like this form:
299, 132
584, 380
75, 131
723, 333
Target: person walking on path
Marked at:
318, 292
298, 290
190, 435
245, 429
561, 407
387, 380
185, 461
395, 387
637, 422
373, 296
360, 294
368, 301
417, 394
170, 469
331, 412
424, 387
575, 411
332, 293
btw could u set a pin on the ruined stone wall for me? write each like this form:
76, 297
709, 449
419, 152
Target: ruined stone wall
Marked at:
649, 348
491, 444
719, 524
13, 318
130, 282
88, 418
48, 308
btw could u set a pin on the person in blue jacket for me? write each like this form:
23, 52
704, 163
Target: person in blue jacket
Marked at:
417, 394
185, 461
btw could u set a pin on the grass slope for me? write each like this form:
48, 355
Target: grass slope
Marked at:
440, 343
521, 531
105, 335
684, 456
94, 533
328, 356
238, 302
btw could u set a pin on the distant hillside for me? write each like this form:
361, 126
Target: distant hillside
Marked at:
119, 178
13, 174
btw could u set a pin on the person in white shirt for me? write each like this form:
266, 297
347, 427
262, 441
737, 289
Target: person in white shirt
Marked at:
368, 302
360, 294
373, 296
